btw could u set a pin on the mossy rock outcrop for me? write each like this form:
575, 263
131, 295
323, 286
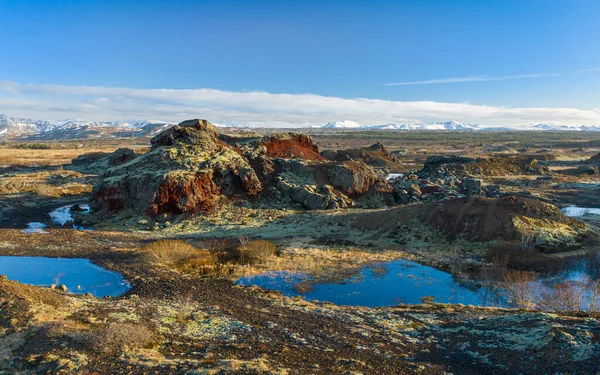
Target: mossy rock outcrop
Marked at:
187, 170
98, 162
190, 169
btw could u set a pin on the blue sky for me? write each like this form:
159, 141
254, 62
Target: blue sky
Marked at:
490, 62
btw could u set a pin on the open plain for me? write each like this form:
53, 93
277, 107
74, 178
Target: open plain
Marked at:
186, 214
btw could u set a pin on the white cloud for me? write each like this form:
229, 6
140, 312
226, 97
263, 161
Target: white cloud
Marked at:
471, 79
106, 103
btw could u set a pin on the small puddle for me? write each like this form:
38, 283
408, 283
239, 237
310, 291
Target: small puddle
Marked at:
35, 227
383, 284
60, 216
575, 211
79, 275
64, 214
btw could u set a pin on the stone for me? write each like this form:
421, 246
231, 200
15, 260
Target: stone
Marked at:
472, 184
352, 178
414, 190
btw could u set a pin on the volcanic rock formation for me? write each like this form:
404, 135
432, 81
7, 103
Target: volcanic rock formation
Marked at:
190, 169
187, 170
375, 155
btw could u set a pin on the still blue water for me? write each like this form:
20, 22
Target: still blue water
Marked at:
386, 284
73, 273
402, 281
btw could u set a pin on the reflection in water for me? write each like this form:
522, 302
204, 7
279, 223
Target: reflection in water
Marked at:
401, 281
381, 284
79, 275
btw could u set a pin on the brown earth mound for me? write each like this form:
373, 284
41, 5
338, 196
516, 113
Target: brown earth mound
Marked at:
510, 218
594, 159
291, 146
444, 166
98, 162
375, 155
482, 219
478, 219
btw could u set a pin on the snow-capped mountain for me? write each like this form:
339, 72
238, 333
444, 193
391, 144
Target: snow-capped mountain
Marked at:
45, 129
347, 124
447, 125
10, 125
80, 129
561, 127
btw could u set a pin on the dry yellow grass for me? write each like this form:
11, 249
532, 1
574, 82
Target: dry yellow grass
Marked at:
39, 158
10, 156
321, 264
50, 183
182, 256
255, 251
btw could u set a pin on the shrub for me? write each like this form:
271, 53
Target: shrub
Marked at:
255, 251
170, 251
563, 297
183, 256
117, 337
528, 243
521, 287
495, 269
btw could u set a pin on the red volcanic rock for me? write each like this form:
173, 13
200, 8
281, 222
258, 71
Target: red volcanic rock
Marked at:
291, 146
430, 189
178, 195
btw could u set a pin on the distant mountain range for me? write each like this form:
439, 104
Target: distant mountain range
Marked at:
448, 125
78, 129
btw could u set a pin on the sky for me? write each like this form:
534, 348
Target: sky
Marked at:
506, 62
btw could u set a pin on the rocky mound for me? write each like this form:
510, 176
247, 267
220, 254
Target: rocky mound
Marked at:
186, 171
326, 185
98, 162
509, 218
190, 169
594, 160
448, 166
513, 220
375, 155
